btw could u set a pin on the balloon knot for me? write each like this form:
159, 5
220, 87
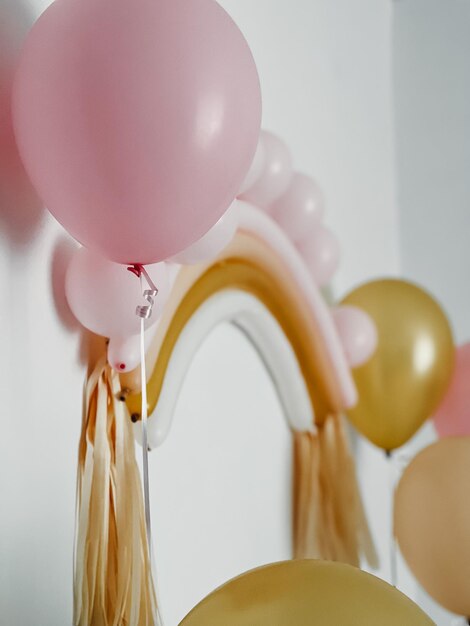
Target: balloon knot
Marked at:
136, 269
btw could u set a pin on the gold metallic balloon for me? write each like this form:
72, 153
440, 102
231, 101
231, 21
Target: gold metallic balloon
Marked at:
306, 593
405, 380
432, 521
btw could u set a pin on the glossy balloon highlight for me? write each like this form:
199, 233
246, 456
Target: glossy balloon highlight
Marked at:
406, 379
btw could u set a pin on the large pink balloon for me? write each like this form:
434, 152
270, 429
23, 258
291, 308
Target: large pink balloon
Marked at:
453, 416
137, 120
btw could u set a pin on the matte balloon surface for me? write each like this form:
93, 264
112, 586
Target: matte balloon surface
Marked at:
357, 332
256, 169
406, 379
213, 242
432, 521
321, 253
124, 352
452, 418
104, 295
137, 121
306, 593
276, 175
300, 209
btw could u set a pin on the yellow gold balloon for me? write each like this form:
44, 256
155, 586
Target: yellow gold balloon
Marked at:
304, 593
405, 380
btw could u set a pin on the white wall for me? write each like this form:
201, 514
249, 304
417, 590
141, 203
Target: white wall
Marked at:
221, 484
432, 98
431, 46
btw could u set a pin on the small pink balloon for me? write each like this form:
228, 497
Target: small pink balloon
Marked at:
213, 242
137, 120
124, 352
321, 253
277, 172
452, 419
104, 295
357, 332
256, 169
300, 209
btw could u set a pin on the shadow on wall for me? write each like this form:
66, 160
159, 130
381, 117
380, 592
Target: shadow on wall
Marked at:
20, 208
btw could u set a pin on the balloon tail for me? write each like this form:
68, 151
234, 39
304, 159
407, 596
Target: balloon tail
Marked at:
112, 572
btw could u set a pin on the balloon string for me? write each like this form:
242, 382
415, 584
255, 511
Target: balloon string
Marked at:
393, 541
145, 448
144, 312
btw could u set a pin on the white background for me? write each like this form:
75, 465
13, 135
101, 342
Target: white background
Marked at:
373, 97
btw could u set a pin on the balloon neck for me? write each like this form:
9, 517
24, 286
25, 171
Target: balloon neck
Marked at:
136, 269
388, 454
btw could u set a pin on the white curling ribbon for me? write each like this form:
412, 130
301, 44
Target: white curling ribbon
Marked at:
145, 310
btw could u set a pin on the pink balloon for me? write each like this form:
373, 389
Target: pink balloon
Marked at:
300, 209
453, 416
103, 295
277, 173
357, 332
213, 242
137, 120
256, 169
124, 352
321, 253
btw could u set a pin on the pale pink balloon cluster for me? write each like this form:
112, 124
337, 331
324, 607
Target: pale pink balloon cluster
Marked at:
295, 202
137, 123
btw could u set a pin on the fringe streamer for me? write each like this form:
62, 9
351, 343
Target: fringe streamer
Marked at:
113, 583
329, 518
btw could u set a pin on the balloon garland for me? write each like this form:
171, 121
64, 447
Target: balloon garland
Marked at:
139, 136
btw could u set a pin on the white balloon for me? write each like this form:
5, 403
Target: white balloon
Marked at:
104, 295
213, 242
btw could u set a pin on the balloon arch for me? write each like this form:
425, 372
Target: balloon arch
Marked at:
138, 122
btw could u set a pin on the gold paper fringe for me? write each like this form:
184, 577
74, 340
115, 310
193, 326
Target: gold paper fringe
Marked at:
329, 518
113, 584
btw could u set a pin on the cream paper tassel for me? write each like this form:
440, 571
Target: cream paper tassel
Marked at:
329, 517
113, 584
